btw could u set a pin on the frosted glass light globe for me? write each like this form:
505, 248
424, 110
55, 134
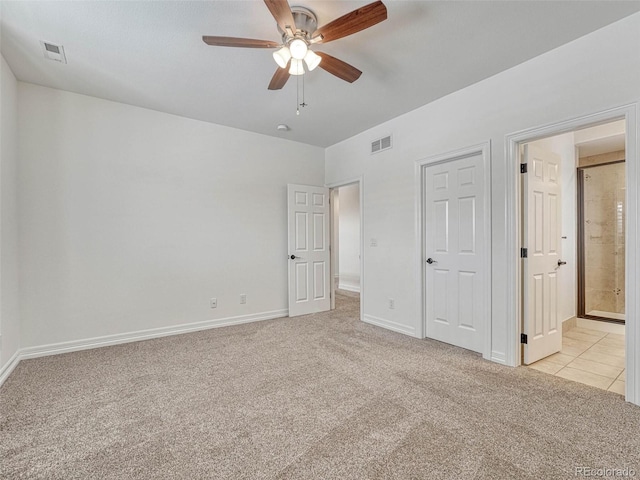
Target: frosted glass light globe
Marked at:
282, 57
296, 67
298, 49
312, 59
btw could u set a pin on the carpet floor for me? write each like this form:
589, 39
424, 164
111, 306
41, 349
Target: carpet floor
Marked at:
322, 396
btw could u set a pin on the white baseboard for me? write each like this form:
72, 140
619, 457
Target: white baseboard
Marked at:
107, 340
389, 325
349, 282
8, 367
498, 357
349, 287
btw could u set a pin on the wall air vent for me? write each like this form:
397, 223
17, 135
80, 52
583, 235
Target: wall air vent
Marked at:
53, 52
381, 144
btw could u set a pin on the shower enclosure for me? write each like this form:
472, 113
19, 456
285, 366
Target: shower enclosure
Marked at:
601, 249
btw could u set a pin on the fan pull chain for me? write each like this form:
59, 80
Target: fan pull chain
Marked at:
303, 104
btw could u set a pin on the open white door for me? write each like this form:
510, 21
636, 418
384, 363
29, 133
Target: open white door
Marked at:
455, 233
542, 240
309, 262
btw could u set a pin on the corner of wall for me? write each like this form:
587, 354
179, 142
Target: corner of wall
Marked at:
10, 328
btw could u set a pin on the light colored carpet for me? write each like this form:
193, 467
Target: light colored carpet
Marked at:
323, 396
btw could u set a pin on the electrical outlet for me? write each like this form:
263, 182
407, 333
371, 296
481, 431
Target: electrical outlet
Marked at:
214, 302
374, 242
243, 298
392, 304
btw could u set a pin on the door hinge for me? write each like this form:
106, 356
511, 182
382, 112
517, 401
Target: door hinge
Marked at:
523, 168
524, 253
523, 338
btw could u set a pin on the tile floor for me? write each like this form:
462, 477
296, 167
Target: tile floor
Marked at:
588, 356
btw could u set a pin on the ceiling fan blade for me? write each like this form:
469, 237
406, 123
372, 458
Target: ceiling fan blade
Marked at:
279, 78
339, 68
353, 22
282, 13
238, 42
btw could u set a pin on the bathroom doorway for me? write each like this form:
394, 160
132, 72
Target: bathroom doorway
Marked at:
574, 222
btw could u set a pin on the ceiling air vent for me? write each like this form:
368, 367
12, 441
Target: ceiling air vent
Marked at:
381, 144
54, 52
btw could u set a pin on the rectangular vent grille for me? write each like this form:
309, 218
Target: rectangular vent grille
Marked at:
53, 52
381, 144
52, 48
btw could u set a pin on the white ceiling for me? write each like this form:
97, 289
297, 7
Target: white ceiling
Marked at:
611, 144
606, 138
150, 54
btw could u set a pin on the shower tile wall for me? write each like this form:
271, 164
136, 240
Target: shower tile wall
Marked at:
604, 211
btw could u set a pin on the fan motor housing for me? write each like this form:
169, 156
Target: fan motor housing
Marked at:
305, 21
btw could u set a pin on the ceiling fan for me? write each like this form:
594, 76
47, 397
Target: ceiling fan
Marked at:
298, 28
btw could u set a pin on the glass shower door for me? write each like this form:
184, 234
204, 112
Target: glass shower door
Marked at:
602, 256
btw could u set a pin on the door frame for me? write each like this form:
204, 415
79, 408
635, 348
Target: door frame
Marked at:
513, 240
331, 186
483, 149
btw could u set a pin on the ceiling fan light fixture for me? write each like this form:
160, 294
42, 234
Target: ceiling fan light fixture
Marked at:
312, 59
298, 48
298, 28
282, 57
297, 68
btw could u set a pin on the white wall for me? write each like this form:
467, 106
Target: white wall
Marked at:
564, 146
591, 74
9, 315
349, 238
132, 219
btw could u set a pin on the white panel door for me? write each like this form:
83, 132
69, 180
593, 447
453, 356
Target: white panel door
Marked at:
309, 262
542, 234
454, 232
